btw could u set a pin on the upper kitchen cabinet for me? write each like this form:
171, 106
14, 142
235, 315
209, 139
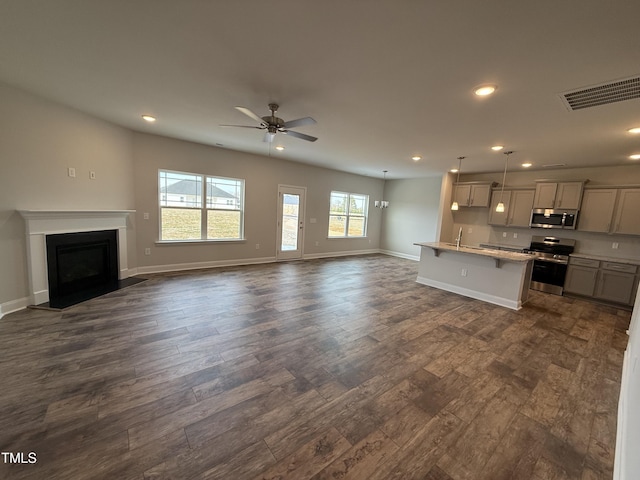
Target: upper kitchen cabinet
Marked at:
597, 210
627, 219
517, 208
565, 195
472, 194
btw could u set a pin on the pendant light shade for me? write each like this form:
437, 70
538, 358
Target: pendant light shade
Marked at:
454, 205
500, 206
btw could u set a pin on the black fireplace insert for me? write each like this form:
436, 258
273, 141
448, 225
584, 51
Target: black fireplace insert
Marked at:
81, 266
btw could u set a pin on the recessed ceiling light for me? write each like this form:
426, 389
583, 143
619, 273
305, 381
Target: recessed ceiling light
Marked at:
527, 165
634, 130
454, 170
149, 118
280, 147
484, 90
496, 148
635, 156
415, 158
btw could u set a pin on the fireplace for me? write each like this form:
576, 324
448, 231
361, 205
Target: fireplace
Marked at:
81, 266
42, 224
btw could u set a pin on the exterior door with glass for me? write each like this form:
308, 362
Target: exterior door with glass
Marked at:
291, 203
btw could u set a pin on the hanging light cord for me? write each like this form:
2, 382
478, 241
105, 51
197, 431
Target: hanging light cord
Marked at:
504, 176
459, 165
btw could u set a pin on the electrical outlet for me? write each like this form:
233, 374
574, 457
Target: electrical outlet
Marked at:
317, 244
71, 172
614, 245
464, 272
504, 234
515, 235
147, 251
92, 175
470, 230
145, 215
257, 246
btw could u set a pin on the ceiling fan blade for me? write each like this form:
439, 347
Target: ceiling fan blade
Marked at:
298, 122
250, 114
242, 126
302, 136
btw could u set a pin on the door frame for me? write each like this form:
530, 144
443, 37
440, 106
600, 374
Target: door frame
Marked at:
294, 254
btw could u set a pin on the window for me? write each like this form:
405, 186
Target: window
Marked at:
199, 207
348, 214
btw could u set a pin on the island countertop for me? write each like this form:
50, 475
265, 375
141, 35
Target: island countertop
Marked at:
503, 255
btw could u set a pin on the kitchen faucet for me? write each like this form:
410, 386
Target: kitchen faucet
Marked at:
459, 239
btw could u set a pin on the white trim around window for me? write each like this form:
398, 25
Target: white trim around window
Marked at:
348, 215
197, 208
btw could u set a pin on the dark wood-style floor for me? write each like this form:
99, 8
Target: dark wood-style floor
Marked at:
325, 369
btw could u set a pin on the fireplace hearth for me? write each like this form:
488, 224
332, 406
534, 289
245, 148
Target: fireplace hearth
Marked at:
81, 266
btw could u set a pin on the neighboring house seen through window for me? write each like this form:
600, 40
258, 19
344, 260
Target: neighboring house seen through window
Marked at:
200, 207
348, 214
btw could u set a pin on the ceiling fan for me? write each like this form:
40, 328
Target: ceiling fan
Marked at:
273, 124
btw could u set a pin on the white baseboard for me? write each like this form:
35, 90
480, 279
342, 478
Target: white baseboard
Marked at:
13, 306
311, 256
415, 258
485, 297
176, 267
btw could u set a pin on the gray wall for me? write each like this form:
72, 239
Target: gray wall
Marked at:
413, 215
39, 140
262, 176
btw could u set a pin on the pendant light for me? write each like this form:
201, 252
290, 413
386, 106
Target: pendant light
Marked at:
454, 205
382, 203
500, 206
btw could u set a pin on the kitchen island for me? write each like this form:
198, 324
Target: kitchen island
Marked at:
495, 276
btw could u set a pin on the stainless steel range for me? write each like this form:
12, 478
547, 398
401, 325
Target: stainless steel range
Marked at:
550, 264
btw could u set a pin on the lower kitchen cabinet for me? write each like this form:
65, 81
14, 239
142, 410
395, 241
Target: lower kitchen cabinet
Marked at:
581, 280
603, 280
615, 287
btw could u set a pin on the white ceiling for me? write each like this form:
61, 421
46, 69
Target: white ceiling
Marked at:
385, 79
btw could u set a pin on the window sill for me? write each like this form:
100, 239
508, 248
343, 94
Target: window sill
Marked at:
343, 238
198, 242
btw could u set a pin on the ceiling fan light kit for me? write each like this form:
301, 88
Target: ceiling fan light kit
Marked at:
274, 125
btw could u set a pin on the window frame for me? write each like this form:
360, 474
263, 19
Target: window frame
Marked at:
350, 215
204, 209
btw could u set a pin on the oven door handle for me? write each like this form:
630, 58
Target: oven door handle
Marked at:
552, 260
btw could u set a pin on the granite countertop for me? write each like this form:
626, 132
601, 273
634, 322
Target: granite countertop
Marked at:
486, 252
628, 261
501, 246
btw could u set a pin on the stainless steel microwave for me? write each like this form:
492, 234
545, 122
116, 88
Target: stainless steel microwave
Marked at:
549, 218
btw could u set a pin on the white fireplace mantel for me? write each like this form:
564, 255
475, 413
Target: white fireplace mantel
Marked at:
40, 223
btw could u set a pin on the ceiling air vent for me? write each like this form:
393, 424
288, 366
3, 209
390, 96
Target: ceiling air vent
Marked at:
618, 91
